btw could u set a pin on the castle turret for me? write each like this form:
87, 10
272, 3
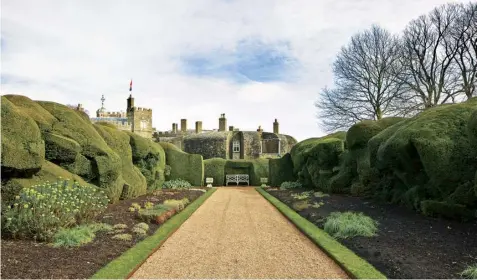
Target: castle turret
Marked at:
276, 127
222, 122
174, 128
184, 125
130, 103
198, 127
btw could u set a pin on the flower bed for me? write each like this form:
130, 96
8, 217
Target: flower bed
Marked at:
28, 259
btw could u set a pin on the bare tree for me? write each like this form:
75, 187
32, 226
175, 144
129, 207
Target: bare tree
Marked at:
428, 56
367, 85
464, 36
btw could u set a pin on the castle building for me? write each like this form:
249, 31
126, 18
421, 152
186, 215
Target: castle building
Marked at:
227, 144
136, 119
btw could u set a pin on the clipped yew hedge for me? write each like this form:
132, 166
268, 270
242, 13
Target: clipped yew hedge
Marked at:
189, 167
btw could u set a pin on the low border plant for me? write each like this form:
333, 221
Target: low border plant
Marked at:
176, 184
470, 272
290, 185
350, 224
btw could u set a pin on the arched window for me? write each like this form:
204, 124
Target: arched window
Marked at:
236, 146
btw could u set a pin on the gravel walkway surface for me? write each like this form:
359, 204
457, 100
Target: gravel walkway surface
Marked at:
236, 233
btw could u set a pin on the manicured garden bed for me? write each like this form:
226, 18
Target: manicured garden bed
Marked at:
407, 245
33, 260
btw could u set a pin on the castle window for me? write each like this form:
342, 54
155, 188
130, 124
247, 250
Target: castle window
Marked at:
236, 146
143, 124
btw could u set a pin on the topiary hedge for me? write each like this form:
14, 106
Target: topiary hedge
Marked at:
189, 167
315, 159
433, 150
23, 149
215, 168
150, 158
281, 170
134, 182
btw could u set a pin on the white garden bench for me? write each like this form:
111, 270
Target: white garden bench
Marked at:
236, 178
209, 182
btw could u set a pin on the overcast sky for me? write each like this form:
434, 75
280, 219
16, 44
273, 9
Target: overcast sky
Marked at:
254, 60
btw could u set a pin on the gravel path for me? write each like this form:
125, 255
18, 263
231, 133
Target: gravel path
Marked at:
236, 233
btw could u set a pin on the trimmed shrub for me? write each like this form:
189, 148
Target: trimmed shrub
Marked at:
349, 224
290, 185
300, 151
176, 184
281, 170
359, 134
150, 158
105, 170
433, 150
189, 167
39, 211
23, 150
215, 168
135, 183
447, 210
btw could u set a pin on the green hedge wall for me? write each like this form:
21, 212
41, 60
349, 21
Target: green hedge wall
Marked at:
189, 167
215, 168
281, 170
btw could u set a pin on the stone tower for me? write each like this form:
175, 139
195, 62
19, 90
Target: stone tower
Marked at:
222, 122
276, 127
139, 118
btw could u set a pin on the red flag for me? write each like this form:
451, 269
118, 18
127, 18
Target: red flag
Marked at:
130, 85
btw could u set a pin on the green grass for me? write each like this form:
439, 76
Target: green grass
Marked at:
350, 224
121, 267
470, 272
347, 259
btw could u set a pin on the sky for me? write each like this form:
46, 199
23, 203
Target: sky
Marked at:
255, 61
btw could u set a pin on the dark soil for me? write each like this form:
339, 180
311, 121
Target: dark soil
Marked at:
408, 245
32, 260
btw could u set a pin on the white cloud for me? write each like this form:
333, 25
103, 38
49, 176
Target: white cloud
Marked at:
75, 51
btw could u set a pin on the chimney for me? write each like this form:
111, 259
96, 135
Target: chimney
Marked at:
184, 125
275, 127
231, 128
198, 127
222, 122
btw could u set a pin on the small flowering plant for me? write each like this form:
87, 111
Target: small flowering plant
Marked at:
40, 211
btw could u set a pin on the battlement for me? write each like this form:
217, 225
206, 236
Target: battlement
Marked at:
120, 123
142, 109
